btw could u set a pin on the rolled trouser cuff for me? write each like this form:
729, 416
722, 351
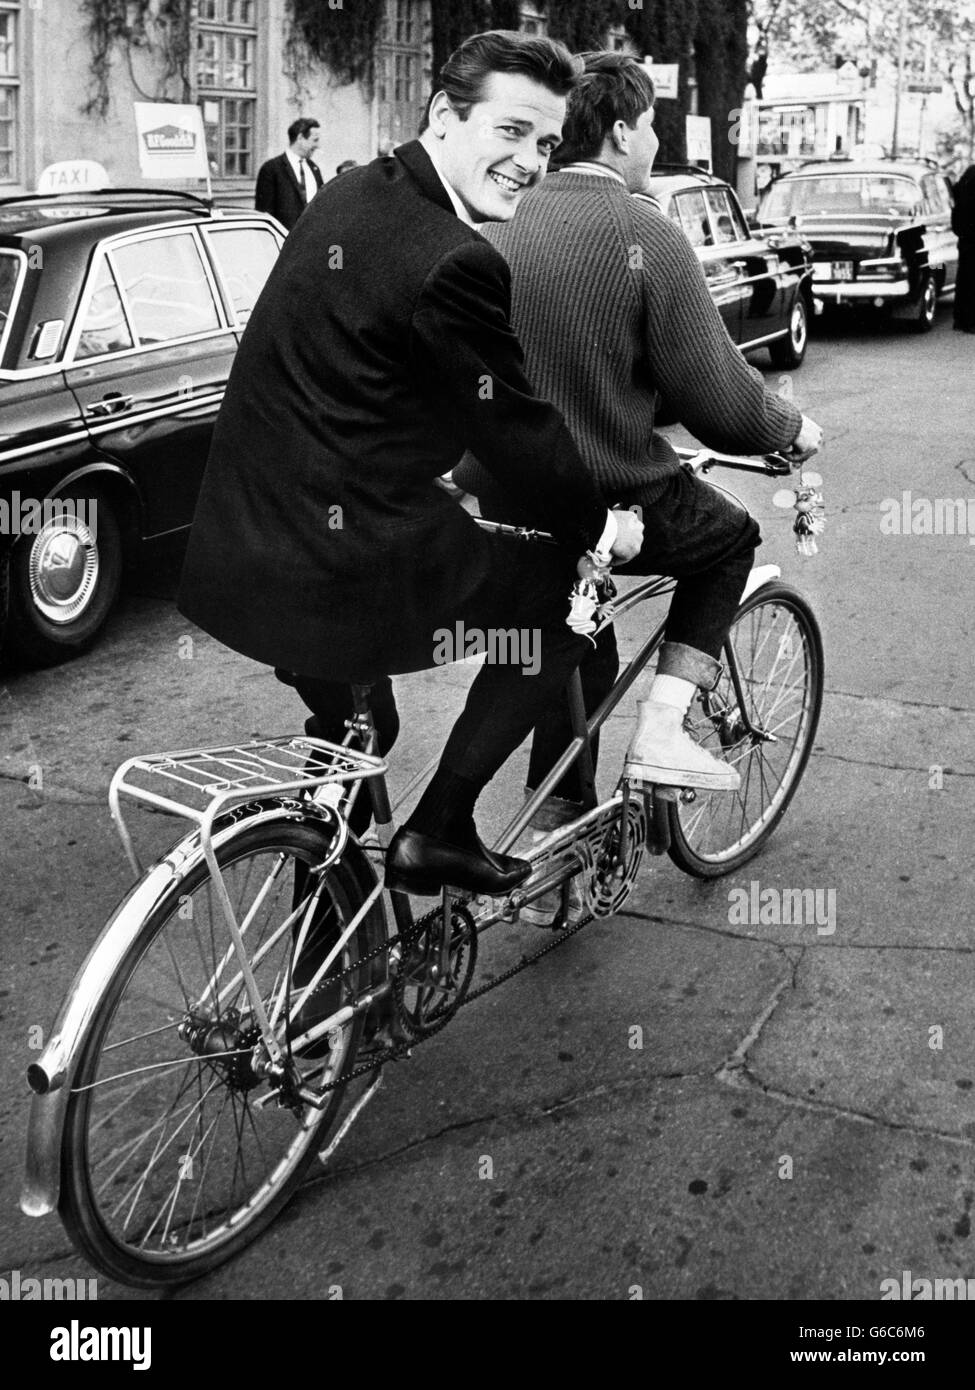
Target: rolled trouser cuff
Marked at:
688, 664
554, 812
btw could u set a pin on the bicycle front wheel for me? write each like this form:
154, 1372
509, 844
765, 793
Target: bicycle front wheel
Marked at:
176, 1153
764, 723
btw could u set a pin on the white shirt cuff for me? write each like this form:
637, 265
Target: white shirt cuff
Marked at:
607, 540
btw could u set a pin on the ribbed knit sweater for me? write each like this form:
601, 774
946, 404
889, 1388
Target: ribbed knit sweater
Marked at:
610, 305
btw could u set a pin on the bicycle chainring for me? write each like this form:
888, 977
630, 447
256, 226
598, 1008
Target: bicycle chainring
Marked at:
425, 999
606, 884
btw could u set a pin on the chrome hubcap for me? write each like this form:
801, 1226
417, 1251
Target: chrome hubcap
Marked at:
63, 569
798, 327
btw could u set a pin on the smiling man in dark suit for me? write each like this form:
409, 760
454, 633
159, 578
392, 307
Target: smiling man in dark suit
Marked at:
287, 183
379, 350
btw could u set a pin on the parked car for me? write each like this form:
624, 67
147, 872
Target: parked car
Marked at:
120, 314
880, 231
760, 281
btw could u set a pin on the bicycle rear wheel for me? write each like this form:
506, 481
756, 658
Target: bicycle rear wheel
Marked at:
776, 646
175, 1153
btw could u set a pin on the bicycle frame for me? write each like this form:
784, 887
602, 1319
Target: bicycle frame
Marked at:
579, 750
51, 1075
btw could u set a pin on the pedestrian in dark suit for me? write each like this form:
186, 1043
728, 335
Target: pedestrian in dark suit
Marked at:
287, 183
963, 225
378, 351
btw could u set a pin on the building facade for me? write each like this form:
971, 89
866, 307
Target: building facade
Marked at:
240, 69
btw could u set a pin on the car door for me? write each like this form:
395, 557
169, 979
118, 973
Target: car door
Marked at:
940, 240
689, 210
148, 362
243, 255
766, 282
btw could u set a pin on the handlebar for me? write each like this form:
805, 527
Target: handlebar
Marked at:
774, 465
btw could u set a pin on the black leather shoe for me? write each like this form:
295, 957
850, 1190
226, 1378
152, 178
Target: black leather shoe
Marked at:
424, 865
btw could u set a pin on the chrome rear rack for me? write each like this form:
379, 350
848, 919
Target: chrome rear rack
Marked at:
200, 784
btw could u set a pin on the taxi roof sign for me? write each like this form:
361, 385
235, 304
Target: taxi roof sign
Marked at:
73, 176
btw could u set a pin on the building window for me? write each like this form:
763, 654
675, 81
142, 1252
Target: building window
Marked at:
9, 90
532, 21
226, 83
399, 74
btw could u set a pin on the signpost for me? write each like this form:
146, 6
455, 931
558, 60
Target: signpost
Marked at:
698, 139
665, 77
172, 142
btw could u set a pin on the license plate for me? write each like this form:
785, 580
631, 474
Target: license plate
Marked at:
832, 270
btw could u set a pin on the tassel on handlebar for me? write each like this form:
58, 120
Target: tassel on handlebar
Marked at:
810, 519
591, 598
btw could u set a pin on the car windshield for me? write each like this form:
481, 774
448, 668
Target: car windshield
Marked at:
10, 268
833, 195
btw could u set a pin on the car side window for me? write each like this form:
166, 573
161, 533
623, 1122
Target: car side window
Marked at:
694, 218
166, 288
105, 328
935, 203
721, 218
244, 258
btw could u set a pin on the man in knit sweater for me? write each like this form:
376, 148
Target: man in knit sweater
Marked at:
610, 305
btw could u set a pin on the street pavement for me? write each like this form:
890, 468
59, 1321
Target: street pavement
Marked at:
799, 1122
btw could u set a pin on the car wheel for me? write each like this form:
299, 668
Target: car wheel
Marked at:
790, 350
924, 307
64, 580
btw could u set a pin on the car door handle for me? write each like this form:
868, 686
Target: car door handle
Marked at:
112, 404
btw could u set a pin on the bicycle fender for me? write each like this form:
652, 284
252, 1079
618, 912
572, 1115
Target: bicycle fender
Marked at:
759, 577
52, 1075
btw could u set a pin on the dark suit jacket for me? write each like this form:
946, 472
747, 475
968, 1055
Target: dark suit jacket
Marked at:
279, 192
379, 349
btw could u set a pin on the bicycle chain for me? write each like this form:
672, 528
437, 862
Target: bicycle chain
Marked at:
394, 1054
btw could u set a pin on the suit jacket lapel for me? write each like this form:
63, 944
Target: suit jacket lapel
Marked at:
420, 167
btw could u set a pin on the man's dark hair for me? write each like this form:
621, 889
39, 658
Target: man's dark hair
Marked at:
345, 166
301, 127
614, 87
464, 74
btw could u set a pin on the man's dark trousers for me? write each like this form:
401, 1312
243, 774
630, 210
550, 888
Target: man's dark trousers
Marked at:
693, 532
527, 590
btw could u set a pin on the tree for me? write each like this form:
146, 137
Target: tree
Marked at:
938, 42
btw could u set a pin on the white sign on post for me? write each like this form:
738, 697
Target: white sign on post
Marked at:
172, 144
664, 77
698, 137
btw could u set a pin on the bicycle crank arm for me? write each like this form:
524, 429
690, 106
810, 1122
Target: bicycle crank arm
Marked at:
533, 889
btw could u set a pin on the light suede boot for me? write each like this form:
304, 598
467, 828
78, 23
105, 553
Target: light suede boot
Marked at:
662, 752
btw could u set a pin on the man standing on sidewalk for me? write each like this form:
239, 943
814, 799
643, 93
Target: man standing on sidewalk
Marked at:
287, 183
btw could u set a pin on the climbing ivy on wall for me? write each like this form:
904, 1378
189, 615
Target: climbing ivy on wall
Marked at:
158, 27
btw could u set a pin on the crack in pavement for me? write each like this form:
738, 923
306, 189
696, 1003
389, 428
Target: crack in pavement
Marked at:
888, 767
742, 1079
899, 703
735, 1073
657, 920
